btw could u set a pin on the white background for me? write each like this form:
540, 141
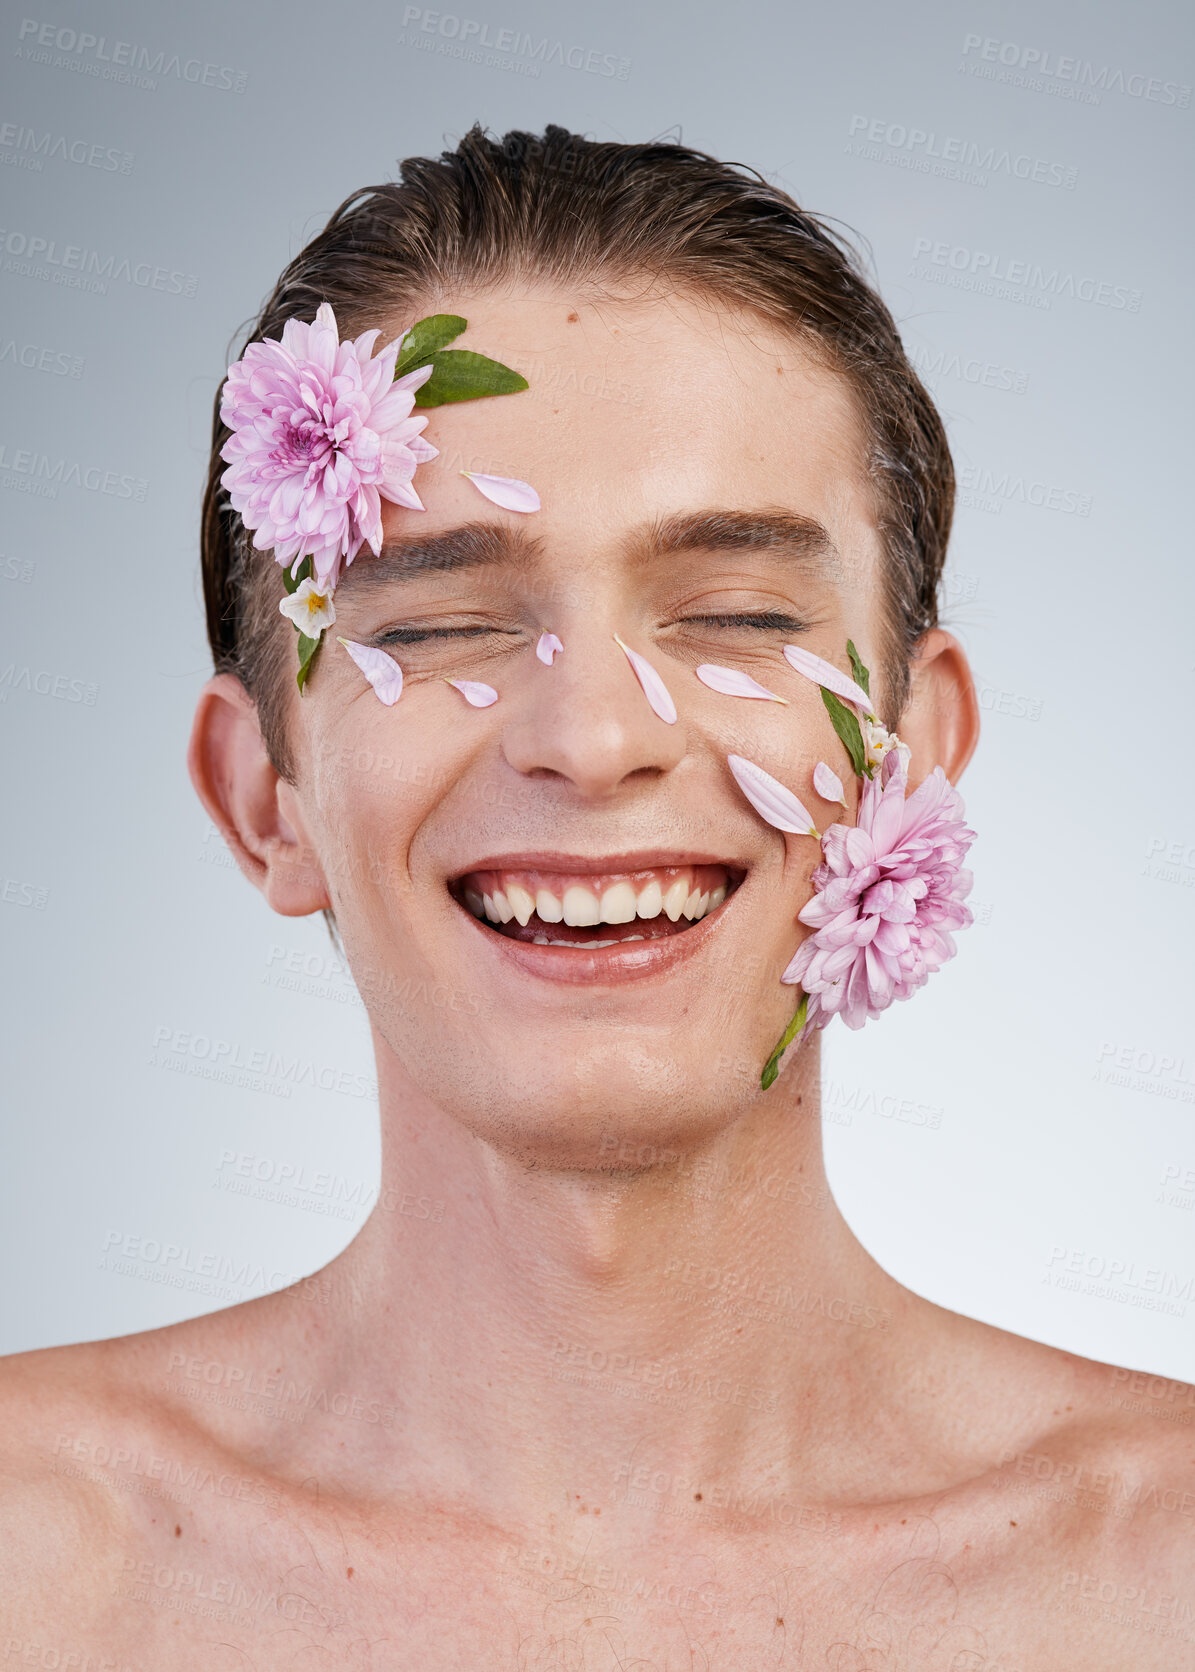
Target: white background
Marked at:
1004, 1144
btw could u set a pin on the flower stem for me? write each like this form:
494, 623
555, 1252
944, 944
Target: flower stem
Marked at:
772, 1067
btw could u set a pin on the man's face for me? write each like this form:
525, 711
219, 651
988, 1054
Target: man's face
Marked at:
683, 455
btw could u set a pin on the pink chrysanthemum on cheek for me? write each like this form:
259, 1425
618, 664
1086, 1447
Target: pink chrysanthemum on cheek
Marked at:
889, 892
321, 434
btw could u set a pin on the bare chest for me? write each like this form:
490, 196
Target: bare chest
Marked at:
287, 1592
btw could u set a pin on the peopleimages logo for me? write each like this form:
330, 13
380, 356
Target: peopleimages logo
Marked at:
44, 683
37, 358
990, 274
1161, 1073
1152, 1288
982, 489
29, 148
938, 363
39, 473
79, 268
224, 1057
95, 55
976, 161
464, 36
1035, 67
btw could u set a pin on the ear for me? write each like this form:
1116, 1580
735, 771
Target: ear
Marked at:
256, 811
941, 719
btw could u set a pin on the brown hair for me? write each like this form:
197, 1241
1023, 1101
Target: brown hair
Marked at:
571, 210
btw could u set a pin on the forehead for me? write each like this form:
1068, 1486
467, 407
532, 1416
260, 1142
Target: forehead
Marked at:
646, 407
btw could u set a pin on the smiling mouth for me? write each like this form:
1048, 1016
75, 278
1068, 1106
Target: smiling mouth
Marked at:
591, 911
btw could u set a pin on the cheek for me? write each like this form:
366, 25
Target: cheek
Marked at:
374, 781
787, 742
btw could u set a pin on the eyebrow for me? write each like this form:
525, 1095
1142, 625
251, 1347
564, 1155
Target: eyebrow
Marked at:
485, 544
470, 546
799, 537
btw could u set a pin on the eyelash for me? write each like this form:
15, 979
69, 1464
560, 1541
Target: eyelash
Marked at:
774, 620
764, 620
416, 635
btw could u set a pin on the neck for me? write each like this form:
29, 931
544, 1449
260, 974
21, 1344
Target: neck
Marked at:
705, 1311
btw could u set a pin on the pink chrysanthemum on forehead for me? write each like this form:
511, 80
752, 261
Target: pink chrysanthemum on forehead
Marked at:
889, 892
322, 433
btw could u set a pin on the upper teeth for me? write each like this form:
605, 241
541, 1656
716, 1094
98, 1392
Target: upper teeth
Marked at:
677, 891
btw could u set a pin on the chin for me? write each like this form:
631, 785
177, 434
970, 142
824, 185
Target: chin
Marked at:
613, 1100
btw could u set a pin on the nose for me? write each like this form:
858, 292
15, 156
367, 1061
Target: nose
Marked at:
586, 719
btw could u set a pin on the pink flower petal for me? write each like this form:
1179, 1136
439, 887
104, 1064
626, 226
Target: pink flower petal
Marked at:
654, 688
827, 783
889, 814
732, 683
414, 380
860, 850
779, 806
381, 670
825, 673
474, 692
506, 491
402, 493
799, 962
547, 646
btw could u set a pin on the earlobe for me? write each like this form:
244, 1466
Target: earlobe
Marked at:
249, 803
941, 721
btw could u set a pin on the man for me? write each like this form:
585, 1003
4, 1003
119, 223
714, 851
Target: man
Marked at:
629, 1391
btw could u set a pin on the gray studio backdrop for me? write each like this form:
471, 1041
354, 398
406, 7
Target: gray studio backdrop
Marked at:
190, 1111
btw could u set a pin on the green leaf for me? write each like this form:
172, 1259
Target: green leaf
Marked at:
462, 376
307, 650
772, 1067
292, 584
424, 338
846, 724
857, 668
307, 647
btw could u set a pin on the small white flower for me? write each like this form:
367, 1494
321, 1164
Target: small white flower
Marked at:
877, 742
309, 608
873, 741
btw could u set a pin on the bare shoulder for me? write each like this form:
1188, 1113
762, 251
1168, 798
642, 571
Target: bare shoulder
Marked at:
101, 1460
1089, 1419
1125, 1453
1081, 1486
60, 1520
1125, 1465
54, 1523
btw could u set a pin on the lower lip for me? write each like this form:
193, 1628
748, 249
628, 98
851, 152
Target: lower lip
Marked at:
607, 966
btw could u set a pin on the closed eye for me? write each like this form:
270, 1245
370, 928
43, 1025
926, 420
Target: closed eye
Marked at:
417, 635
765, 620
